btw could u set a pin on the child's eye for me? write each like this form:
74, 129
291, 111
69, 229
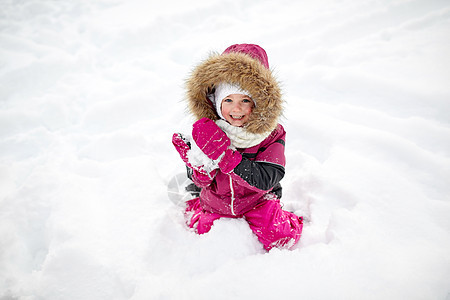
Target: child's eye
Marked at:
246, 100
227, 100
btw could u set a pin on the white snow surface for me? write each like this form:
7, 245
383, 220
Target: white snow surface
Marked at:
91, 92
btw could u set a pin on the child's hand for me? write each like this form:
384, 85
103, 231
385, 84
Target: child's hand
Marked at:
182, 146
210, 138
229, 160
215, 144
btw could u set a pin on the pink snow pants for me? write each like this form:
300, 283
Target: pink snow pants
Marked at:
273, 226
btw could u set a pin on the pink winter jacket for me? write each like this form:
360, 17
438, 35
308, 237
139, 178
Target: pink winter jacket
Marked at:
261, 169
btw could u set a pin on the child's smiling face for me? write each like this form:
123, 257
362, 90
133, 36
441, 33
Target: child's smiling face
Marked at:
236, 109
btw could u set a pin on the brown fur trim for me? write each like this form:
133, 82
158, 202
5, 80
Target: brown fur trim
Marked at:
250, 74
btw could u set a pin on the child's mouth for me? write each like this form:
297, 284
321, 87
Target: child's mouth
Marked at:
237, 117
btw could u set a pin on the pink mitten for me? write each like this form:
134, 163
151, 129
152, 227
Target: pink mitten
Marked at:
182, 146
229, 161
210, 138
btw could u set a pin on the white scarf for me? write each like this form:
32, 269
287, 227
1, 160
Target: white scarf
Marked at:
239, 137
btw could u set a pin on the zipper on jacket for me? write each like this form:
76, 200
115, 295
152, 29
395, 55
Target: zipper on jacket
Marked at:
232, 196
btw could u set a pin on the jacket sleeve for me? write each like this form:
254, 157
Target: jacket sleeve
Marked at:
262, 175
267, 168
199, 179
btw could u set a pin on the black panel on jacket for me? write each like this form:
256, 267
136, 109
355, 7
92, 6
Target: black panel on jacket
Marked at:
262, 175
277, 191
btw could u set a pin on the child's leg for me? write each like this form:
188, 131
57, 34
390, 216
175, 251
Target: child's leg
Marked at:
199, 219
273, 226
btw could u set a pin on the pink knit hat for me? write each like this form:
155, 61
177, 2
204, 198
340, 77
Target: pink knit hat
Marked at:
253, 50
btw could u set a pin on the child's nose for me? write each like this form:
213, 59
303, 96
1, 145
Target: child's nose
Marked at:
237, 107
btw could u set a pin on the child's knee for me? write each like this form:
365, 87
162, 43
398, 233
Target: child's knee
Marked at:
197, 218
274, 226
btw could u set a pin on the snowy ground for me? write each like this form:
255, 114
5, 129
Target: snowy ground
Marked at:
91, 92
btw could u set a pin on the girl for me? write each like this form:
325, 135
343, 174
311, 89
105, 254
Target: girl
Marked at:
237, 102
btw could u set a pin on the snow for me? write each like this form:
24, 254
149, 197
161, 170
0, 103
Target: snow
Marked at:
91, 92
197, 158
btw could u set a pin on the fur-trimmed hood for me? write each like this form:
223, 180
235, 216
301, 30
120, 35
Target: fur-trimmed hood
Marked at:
250, 74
